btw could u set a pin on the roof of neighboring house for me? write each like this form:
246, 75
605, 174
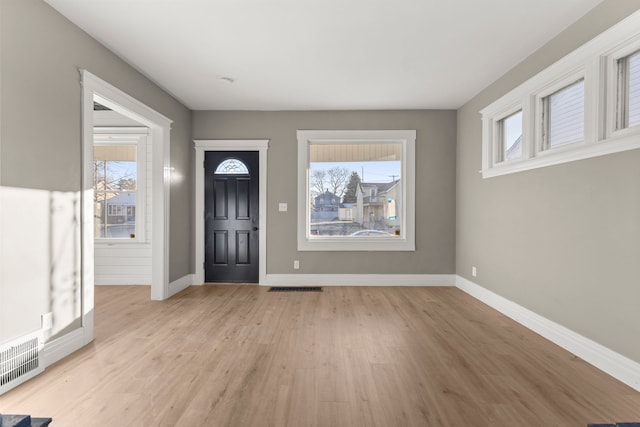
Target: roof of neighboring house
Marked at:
327, 195
125, 199
516, 146
382, 187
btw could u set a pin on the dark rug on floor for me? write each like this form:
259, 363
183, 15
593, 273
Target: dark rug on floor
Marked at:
636, 424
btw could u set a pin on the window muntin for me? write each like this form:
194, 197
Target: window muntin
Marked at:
510, 129
633, 113
353, 190
116, 190
232, 167
563, 120
629, 91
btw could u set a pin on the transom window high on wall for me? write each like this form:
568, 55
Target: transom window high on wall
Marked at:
510, 137
118, 186
628, 105
585, 105
356, 190
563, 116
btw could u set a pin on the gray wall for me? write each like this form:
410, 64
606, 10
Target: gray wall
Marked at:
41, 124
435, 186
563, 241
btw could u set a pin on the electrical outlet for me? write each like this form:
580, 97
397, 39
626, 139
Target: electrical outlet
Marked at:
47, 321
296, 264
474, 272
282, 207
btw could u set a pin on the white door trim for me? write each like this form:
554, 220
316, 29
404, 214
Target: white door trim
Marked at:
160, 128
203, 145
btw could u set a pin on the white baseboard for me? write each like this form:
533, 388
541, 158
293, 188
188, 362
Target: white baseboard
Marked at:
62, 347
182, 283
122, 280
359, 280
603, 358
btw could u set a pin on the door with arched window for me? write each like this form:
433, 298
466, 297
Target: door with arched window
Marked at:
231, 216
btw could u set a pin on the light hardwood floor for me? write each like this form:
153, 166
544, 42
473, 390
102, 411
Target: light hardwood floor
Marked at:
349, 356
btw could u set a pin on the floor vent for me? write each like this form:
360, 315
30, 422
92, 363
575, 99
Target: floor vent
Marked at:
295, 289
20, 361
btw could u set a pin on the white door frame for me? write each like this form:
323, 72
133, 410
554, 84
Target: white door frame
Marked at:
159, 130
203, 145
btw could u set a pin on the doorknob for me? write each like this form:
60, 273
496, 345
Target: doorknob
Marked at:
255, 228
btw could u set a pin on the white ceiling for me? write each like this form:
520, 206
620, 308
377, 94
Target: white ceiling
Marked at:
323, 54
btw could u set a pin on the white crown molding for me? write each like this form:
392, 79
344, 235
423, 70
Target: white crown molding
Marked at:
603, 358
359, 280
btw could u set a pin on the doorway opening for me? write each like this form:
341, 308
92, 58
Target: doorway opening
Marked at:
95, 89
122, 214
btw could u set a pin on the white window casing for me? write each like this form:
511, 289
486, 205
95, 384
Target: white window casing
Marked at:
606, 98
405, 241
580, 132
623, 89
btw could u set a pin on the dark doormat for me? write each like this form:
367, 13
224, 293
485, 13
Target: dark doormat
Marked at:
635, 424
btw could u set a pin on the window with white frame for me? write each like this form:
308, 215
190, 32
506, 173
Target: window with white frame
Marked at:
585, 105
563, 116
628, 91
510, 137
356, 190
119, 187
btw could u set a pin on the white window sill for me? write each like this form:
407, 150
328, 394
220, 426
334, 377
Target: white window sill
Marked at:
627, 139
357, 244
119, 242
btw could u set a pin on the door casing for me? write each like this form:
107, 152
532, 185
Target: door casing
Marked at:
203, 145
160, 131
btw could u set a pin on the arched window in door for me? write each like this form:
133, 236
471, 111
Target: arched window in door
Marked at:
232, 167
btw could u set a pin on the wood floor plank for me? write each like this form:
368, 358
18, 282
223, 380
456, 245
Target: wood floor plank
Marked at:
237, 355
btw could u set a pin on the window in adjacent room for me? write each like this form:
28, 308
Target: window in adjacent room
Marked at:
118, 187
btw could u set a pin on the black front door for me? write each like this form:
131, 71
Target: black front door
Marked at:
231, 216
